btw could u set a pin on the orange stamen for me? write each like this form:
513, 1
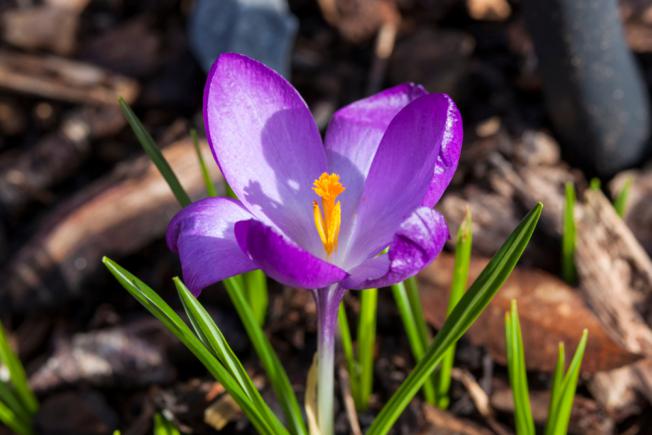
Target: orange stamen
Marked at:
328, 188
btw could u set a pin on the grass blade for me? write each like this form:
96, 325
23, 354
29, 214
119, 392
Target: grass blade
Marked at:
465, 313
163, 426
464, 241
367, 344
620, 203
558, 424
171, 320
269, 359
205, 173
517, 372
154, 153
555, 391
17, 374
209, 333
595, 184
416, 306
11, 420
568, 236
349, 357
255, 283
412, 331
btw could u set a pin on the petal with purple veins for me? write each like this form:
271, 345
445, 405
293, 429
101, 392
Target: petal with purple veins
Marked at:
203, 236
419, 240
266, 143
401, 173
283, 260
354, 134
449, 156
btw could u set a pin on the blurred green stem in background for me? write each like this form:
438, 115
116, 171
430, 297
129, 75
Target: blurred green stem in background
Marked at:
463, 243
568, 270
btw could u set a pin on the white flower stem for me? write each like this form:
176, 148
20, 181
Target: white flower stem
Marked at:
328, 300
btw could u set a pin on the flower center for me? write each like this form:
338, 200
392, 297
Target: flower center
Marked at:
328, 222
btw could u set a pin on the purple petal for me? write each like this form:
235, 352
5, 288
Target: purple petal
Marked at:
449, 156
401, 172
283, 260
419, 240
266, 143
354, 134
202, 234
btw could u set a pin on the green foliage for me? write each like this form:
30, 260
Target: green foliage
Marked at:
595, 184
563, 389
568, 236
205, 173
163, 426
472, 304
562, 393
412, 330
517, 372
18, 404
261, 417
463, 244
255, 284
276, 374
620, 203
154, 153
366, 344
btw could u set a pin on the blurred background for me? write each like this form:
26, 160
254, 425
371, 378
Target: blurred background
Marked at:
550, 91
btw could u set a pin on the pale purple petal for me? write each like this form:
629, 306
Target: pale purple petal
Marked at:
283, 260
401, 173
353, 137
202, 234
449, 156
419, 240
266, 143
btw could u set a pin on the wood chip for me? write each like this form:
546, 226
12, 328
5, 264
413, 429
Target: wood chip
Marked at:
115, 216
222, 412
42, 27
489, 10
63, 79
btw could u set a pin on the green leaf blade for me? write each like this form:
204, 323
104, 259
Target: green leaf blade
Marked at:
463, 245
569, 235
269, 359
367, 344
154, 153
171, 320
465, 313
205, 173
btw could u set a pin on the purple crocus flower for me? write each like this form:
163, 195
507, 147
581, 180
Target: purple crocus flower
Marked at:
353, 211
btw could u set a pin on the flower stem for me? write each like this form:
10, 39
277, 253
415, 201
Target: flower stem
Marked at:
327, 300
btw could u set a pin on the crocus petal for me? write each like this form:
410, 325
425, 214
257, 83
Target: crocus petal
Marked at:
353, 136
401, 172
266, 143
283, 260
202, 234
419, 240
449, 156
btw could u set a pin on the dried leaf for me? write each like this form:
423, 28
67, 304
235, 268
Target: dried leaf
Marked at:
550, 312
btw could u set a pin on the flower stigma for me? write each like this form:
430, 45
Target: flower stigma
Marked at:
328, 188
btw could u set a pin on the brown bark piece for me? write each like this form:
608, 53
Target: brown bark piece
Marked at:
42, 27
117, 215
27, 176
63, 79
